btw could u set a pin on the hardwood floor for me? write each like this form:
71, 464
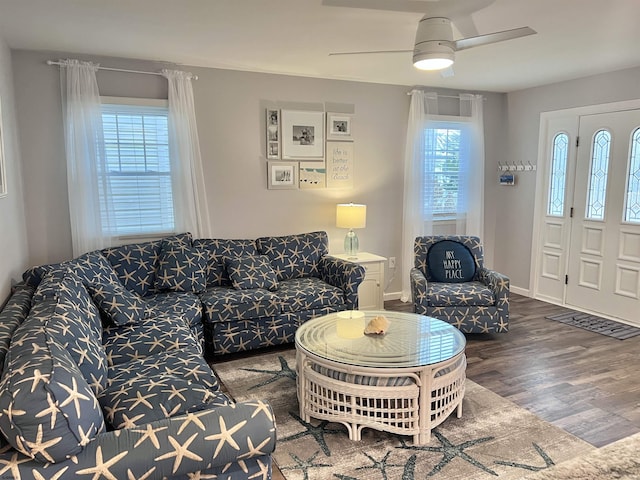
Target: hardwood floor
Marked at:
585, 383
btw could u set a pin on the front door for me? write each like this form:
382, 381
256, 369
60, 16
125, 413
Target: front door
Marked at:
604, 248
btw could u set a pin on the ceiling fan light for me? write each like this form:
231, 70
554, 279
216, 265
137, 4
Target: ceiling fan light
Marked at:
436, 62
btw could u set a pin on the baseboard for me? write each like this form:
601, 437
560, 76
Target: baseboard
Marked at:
392, 296
520, 291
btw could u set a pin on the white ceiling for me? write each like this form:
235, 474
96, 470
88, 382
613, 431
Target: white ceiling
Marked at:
575, 38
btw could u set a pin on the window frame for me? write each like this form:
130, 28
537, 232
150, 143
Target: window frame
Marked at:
450, 122
142, 103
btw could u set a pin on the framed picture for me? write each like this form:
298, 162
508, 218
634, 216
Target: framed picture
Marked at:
339, 126
302, 135
312, 175
273, 134
282, 175
3, 174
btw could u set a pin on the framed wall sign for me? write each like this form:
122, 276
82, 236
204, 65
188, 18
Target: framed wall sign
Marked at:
340, 164
302, 135
339, 126
282, 175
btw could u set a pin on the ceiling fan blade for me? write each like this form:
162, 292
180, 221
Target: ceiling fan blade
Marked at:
418, 6
331, 54
489, 38
436, 8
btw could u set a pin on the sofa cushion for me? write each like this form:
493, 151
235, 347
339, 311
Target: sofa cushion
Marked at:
250, 272
136, 264
218, 250
69, 327
307, 294
12, 316
143, 398
295, 256
51, 413
184, 305
181, 268
118, 305
186, 363
63, 280
152, 335
451, 262
459, 294
223, 303
92, 268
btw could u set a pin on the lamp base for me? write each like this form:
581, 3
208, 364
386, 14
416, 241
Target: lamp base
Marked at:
351, 244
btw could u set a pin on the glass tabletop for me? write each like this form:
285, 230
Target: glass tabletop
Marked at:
411, 340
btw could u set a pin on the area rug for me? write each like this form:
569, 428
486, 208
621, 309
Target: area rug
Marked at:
494, 437
596, 324
616, 461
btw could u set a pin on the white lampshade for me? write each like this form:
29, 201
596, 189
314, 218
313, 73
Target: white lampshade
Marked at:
351, 215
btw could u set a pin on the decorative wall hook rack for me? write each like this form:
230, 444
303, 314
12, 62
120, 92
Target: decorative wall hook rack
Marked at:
516, 167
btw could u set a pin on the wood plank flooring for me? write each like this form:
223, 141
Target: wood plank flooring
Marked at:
583, 382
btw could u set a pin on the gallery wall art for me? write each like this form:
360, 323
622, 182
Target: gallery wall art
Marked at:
308, 149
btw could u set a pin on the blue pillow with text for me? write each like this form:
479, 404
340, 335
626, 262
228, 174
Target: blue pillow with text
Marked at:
450, 262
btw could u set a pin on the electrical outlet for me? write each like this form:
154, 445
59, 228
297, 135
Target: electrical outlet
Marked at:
392, 262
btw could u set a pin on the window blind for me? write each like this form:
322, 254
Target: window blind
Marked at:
138, 169
442, 170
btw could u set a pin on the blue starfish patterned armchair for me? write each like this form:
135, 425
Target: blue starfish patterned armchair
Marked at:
449, 282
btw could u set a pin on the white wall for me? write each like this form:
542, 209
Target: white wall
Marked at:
230, 113
515, 205
13, 242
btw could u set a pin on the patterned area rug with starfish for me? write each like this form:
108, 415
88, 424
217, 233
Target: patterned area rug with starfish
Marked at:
494, 437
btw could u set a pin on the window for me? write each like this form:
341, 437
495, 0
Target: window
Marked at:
632, 200
446, 148
137, 182
557, 183
597, 192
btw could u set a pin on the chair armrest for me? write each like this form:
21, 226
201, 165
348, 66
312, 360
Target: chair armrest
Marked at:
499, 285
343, 274
419, 286
171, 447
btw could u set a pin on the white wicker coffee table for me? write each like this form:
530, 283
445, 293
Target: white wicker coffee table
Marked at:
407, 381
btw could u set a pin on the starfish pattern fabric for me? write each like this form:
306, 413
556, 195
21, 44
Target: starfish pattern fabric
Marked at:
163, 395
478, 306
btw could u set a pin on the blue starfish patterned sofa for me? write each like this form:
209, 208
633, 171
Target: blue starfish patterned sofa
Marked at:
260, 291
103, 372
450, 282
98, 383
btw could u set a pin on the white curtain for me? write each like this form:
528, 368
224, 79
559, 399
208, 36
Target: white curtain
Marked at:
471, 106
418, 220
84, 142
189, 197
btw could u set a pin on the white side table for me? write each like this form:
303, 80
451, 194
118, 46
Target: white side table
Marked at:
371, 290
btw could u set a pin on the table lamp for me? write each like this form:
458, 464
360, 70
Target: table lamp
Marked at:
351, 215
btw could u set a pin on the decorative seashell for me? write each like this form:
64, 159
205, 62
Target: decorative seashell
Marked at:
378, 325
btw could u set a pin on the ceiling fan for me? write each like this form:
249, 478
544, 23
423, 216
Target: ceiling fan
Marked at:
434, 47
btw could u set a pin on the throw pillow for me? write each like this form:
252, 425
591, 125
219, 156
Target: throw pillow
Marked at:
182, 268
450, 262
117, 304
251, 272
